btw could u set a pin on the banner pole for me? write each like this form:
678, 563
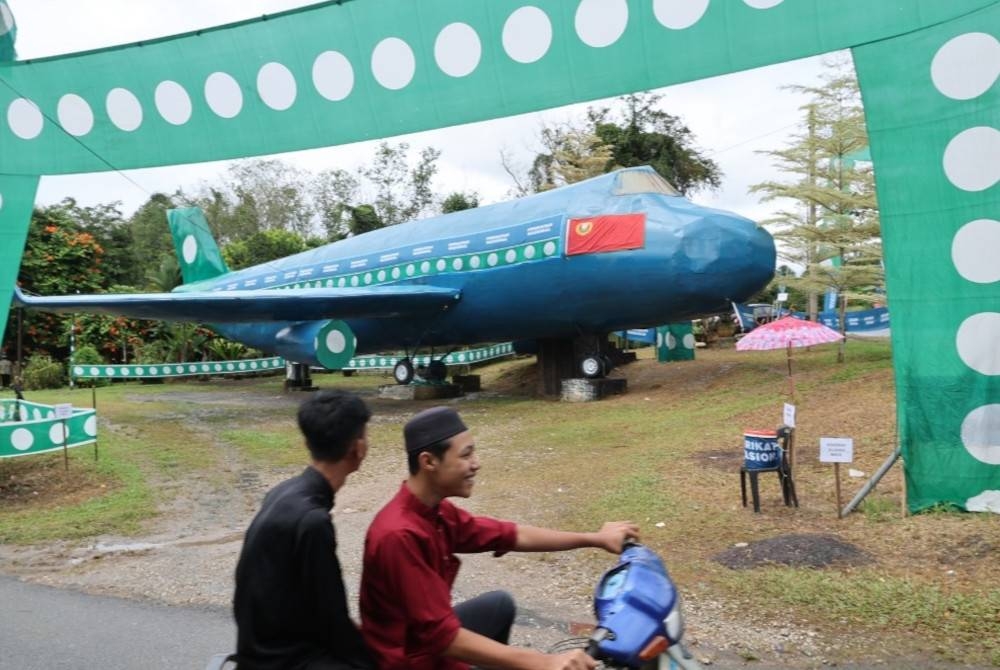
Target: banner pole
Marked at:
836, 476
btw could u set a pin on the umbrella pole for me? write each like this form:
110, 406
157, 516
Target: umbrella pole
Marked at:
791, 380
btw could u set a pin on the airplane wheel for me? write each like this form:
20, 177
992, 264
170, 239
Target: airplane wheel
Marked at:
402, 372
437, 371
593, 367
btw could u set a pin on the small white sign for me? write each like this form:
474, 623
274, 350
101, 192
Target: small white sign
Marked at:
836, 450
788, 418
64, 410
782, 297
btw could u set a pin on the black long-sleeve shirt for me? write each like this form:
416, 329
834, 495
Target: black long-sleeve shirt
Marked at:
290, 603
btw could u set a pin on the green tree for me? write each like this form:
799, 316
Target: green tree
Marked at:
333, 193
401, 193
635, 132
831, 228
364, 219
459, 201
261, 247
151, 240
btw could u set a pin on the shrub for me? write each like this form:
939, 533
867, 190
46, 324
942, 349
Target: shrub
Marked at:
42, 372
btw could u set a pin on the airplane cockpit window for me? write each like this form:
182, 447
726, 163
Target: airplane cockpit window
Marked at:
644, 182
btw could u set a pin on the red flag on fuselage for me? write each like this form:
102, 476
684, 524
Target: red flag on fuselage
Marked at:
606, 232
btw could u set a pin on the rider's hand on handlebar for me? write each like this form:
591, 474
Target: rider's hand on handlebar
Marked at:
612, 535
571, 660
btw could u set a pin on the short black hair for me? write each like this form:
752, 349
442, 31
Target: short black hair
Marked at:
437, 450
330, 421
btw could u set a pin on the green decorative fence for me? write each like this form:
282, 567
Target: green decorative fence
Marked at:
32, 428
374, 362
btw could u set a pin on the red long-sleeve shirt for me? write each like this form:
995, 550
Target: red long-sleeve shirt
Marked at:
409, 568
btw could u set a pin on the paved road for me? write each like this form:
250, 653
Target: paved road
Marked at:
42, 628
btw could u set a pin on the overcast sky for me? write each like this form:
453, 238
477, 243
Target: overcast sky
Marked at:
732, 116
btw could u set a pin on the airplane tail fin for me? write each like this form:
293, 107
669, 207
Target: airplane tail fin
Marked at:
197, 253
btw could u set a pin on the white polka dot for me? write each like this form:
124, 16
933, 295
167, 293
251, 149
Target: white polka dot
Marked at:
679, 14
6, 19
140, 372
154, 370
109, 372
970, 160
527, 34
599, 23
395, 273
354, 280
966, 66
25, 119
189, 249
333, 75
441, 265
192, 368
56, 433
217, 367
22, 439
38, 415
75, 115
975, 251
457, 50
475, 262
492, 260
529, 252
763, 4
425, 267
393, 63
981, 434
549, 248
978, 342
336, 342
223, 95
987, 501
276, 86
242, 366
341, 282
173, 103
368, 277
659, 339
77, 370
1, 201
381, 275
124, 109
90, 426
511, 256
457, 264
253, 365
410, 270
689, 341
671, 340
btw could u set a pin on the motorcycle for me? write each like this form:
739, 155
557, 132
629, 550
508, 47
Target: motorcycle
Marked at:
640, 624
639, 619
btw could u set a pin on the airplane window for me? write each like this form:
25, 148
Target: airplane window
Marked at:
644, 182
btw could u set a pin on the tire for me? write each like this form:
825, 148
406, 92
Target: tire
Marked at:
402, 372
593, 367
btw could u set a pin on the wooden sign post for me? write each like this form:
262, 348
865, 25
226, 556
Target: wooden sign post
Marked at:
836, 450
64, 411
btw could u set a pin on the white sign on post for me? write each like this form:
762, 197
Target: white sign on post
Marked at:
64, 410
788, 417
782, 297
836, 450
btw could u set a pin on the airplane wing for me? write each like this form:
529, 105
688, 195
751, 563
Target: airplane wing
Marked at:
258, 305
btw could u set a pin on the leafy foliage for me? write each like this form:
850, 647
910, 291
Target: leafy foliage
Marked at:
41, 372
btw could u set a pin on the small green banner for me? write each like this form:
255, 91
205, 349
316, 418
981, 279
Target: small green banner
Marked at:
31, 428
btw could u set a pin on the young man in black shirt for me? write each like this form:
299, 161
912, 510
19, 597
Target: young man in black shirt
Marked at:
290, 603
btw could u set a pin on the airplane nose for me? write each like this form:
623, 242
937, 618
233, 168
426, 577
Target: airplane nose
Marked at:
729, 257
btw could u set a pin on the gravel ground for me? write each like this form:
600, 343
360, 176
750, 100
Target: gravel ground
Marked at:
189, 554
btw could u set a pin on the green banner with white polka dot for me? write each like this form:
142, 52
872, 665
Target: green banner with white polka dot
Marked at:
372, 362
31, 428
933, 109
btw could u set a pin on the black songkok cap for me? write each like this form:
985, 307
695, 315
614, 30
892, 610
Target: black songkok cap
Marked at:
430, 427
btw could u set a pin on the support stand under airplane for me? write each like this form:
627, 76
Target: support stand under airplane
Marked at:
622, 250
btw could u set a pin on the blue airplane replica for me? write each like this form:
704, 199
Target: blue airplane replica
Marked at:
622, 250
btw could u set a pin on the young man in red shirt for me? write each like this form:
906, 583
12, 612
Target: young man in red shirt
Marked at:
409, 564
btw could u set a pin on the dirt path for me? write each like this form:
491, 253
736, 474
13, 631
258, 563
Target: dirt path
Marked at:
189, 552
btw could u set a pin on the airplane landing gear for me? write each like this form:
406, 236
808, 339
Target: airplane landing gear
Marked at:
436, 371
594, 366
402, 372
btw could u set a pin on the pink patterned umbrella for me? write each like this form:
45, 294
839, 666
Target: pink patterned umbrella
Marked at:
785, 333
